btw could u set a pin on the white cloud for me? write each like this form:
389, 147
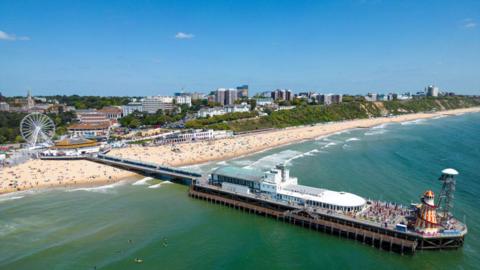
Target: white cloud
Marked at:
469, 23
182, 35
11, 37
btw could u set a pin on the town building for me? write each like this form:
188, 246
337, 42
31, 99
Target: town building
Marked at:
279, 186
90, 130
327, 99
230, 96
209, 112
371, 97
262, 101
92, 116
112, 113
131, 107
72, 147
242, 91
243, 107
155, 103
226, 96
282, 94
4, 107
431, 91
183, 99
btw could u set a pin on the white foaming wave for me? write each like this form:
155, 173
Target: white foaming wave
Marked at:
222, 163
376, 132
160, 184
438, 117
142, 181
329, 144
413, 122
312, 152
7, 229
4, 198
270, 161
352, 139
381, 126
100, 189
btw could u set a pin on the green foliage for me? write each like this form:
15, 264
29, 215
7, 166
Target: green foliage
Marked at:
137, 119
354, 109
214, 121
10, 122
9, 126
87, 102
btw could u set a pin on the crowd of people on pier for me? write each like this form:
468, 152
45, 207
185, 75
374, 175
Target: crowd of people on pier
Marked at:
386, 213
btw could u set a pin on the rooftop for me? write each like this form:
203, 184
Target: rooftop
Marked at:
240, 173
102, 125
324, 195
74, 143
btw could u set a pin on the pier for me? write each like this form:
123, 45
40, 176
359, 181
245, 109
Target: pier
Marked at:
180, 176
342, 226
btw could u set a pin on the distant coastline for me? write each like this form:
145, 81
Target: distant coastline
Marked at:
39, 174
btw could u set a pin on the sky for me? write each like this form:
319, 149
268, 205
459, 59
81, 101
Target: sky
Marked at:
139, 47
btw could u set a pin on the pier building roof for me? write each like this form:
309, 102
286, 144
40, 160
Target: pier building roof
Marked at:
341, 198
240, 173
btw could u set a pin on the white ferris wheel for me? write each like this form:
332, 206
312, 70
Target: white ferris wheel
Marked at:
37, 128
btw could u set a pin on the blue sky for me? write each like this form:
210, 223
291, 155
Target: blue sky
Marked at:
158, 47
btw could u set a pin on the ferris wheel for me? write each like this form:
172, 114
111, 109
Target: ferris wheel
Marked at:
37, 128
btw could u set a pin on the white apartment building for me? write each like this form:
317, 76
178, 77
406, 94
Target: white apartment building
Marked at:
155, 103
131, 107
183, 100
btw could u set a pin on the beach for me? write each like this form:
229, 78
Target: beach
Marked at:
37, 174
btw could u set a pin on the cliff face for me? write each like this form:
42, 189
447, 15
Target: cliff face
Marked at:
311, 114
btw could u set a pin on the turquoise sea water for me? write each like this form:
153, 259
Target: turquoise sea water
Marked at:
110, 226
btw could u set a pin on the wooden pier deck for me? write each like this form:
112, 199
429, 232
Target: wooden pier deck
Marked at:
376, 236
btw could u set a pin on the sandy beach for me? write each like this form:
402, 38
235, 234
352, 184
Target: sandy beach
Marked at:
45, 174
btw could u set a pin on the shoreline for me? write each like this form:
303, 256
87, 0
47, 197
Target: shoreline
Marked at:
46, 174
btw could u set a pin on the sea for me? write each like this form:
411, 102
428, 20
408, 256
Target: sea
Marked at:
148, 223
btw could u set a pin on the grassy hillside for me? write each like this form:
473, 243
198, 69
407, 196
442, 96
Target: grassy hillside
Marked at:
311, 114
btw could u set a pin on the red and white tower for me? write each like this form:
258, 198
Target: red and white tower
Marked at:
427, 214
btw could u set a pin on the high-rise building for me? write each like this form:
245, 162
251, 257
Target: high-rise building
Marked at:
30, 100
242, 91
230, 96
220, 96
327, 99
282, 94
226, 96
431, 91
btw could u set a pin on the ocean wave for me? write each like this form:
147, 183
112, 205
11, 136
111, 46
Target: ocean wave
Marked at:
7, 229
352, 139
329, 144
381, 126
346, 146
142, 181
270, 161
312, 152
375, 132
100, 189
160, 184
8, 197
413, 122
